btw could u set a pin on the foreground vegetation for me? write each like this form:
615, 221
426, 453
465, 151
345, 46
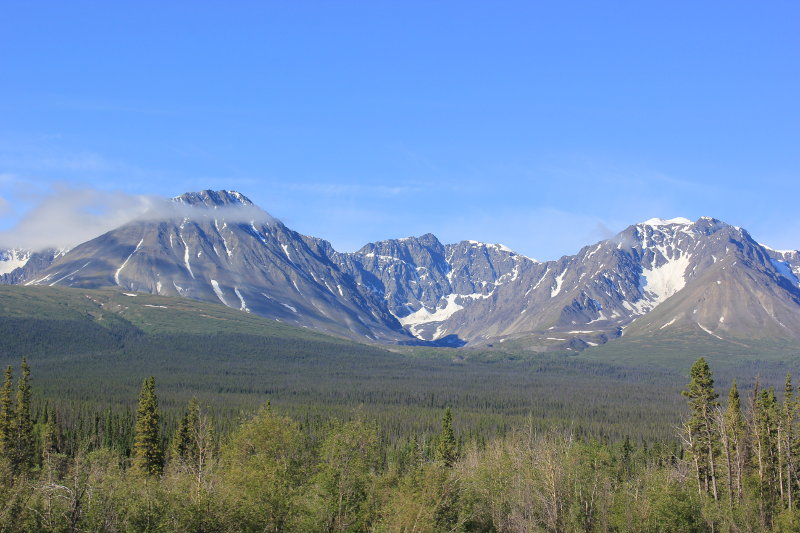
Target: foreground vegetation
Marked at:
736, 470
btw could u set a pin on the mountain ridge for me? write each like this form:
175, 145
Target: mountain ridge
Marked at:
218, 246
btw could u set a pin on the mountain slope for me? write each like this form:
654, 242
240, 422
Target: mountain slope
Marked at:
743, 293
593, 296
659, 277
218, 247
424, 282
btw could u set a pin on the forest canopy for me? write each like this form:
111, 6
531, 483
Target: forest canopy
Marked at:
730, 467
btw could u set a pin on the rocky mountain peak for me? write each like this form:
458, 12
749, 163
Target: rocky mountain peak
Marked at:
672, 221
213, 199
397, 247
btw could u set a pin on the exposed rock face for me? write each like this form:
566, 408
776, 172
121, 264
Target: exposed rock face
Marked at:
429, 286
704, 269
652, 279
18, 266
223, 249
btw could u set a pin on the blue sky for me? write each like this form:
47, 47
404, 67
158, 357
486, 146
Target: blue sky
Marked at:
543, 126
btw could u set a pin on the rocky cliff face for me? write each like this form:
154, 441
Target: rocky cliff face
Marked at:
655, 277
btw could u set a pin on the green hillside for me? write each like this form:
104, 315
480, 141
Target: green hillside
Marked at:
111, 309
89, 349
771, 359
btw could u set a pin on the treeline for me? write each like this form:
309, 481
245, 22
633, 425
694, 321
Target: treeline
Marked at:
736, 471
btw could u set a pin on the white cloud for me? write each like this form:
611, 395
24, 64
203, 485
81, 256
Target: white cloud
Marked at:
50, 157
66, 216
351, 189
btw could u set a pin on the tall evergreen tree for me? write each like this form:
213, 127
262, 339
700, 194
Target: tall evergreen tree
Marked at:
147, 454
24, 443
766, 419
786, 444
185, 445
7, 428
735, 441
702, 433
446, 447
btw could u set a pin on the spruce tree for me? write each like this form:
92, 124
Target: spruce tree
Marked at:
147, 454
7, 428
24, 443
786, 444
702, 433
735, 433
184, 445
446, 447
766, 419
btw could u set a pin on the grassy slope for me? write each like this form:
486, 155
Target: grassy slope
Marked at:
678, 350
152, 314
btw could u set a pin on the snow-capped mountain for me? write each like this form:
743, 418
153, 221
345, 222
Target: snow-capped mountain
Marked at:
13, 259
17, 265
735, 288
218, 247
654, 278
593, 296
424, 283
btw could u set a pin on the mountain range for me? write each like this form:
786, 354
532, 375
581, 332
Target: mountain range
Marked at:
655, 278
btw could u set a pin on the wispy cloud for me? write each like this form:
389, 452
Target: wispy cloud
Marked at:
40, 160
65, 216
352, 189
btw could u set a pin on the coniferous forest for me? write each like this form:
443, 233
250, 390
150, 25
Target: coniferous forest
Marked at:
733, 465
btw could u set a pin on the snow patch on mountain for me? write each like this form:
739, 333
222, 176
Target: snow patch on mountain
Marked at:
116, 274
70, 274
782, 252
243, 307
669, 323
665, 280
709, 331
662, 222
785, 270
559, 281
501, 247
218, 292
424, 316
11, 260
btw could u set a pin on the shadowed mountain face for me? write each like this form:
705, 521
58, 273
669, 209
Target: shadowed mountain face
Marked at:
654, 278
